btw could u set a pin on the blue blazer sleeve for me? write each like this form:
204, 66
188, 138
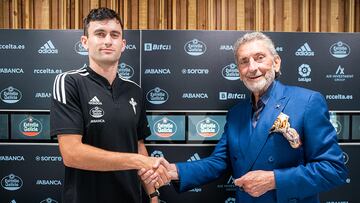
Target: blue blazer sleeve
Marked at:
196, 173
323, 168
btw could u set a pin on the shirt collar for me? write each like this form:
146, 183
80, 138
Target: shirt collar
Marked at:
99, 78
265, 97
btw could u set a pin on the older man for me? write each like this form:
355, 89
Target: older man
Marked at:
280, 146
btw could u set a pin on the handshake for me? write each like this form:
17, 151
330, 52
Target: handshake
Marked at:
157, 172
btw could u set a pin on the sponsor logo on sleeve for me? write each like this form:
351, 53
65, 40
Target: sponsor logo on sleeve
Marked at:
10, 95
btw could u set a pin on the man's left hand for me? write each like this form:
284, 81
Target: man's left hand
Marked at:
256, 183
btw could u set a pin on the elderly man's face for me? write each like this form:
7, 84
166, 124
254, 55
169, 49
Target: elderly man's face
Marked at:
257, 66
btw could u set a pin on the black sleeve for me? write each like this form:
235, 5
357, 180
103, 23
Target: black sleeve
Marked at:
143, 130
65, 111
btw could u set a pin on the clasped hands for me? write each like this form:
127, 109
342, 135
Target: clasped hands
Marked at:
159, 172
255, 183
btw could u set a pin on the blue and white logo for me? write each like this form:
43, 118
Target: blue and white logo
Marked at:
304, 71
157, 96
48, 200
80, 49
157, 153
340, 50
230, 72
195, 47
11, 182
230, 200
10, 95
304, 50
125, 71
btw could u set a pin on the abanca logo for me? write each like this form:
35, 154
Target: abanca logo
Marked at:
207, 127
165, 127
11, 182
30, 127
195, 47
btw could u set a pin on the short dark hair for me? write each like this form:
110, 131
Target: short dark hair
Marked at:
99, 14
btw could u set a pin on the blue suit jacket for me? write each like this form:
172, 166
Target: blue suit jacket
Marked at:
300, 174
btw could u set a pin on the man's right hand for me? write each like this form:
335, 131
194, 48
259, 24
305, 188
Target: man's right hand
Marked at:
154, 177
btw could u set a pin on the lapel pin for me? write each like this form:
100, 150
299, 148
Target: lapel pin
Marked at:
277, 106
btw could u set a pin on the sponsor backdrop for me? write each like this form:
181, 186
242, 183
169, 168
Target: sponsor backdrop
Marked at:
189, 80
34, 173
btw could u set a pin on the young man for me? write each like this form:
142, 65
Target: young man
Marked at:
280, 146
100, 121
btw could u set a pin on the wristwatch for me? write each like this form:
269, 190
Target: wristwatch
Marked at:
154, 194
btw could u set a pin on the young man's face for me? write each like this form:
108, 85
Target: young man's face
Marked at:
257, 65
104, 42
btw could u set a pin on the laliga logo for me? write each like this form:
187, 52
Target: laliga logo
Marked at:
125, 71
80, 49
165, 127
10, 95
157, 96
11, 182
207, 128
230, 200
195, 47
340, 50
230, 72
30, 127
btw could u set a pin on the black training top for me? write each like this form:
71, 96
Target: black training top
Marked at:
110, 117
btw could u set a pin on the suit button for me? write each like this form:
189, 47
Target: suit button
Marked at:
271, 159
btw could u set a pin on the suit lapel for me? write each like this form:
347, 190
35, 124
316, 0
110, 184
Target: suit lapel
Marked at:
259, 135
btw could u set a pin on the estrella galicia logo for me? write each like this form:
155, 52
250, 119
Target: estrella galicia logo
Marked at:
345, 157
125, 71
165, 127
10, 95
49, 200
80, 49
337, 125
11, 182
207, 127
157, 96
30, 127
230, 72
97, 112
195, 47
340, 50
